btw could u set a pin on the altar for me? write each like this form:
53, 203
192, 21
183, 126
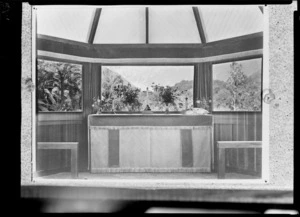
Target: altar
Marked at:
150, 143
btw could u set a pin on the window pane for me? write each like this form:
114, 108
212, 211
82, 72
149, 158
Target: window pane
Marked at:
71, 23
221, 22
237, 86
172, 25
179, 79
121, 25
59, 86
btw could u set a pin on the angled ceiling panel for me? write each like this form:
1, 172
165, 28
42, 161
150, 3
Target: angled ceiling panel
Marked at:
68, 22
121, 25
222, 22
172, 25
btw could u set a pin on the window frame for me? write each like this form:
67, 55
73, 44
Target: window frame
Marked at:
148, 64
236, 60
52, 59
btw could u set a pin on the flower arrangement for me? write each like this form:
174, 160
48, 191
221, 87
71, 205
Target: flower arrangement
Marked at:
97, 105
129, 96
204, 103
166, 94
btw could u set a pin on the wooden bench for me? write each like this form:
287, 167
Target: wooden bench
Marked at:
222, 145
73, 146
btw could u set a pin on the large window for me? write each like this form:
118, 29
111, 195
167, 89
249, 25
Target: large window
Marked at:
237, 85
59, 86
135, 87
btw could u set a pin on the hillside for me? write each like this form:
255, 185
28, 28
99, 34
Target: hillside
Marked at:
183, 85
110, 77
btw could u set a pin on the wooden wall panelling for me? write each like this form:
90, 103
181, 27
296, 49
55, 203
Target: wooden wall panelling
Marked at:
71, 133
226, 135
241, 137
216, 138
258, 138
236, 135
246, 164
251, 137
49, 159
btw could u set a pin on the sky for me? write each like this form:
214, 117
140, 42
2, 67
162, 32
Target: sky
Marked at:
143, 76
221, 71
166, 24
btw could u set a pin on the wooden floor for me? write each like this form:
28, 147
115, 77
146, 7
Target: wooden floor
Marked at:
145, 176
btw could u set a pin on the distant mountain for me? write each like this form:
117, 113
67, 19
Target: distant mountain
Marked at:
255, 77
184, 85
218, 85
111, 77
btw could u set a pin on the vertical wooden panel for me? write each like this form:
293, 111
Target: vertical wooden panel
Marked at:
135, 148
113, 148
251, 137
216, 138
259, 138
49, 159
221, 162
187, 147
74, 163
246, 138
241, 137
235, 137
226, 135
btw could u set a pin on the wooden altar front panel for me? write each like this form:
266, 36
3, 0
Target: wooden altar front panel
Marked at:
146, 148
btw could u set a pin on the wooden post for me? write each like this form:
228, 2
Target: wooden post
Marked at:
221, 162
74, 163
147, 25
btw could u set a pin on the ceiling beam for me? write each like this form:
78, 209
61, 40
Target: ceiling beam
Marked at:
200, 25
147, 25
94, 26
261, 9
227, 46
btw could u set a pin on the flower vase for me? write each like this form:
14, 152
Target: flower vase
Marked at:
167, 108
129, 107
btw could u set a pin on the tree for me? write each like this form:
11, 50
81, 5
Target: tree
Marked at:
239, 92
59, 86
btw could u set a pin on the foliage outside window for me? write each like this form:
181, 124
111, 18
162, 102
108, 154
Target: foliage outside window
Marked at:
132, 88
237, 86
59, 86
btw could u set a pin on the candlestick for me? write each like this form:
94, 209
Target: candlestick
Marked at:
147, 95
186, 103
